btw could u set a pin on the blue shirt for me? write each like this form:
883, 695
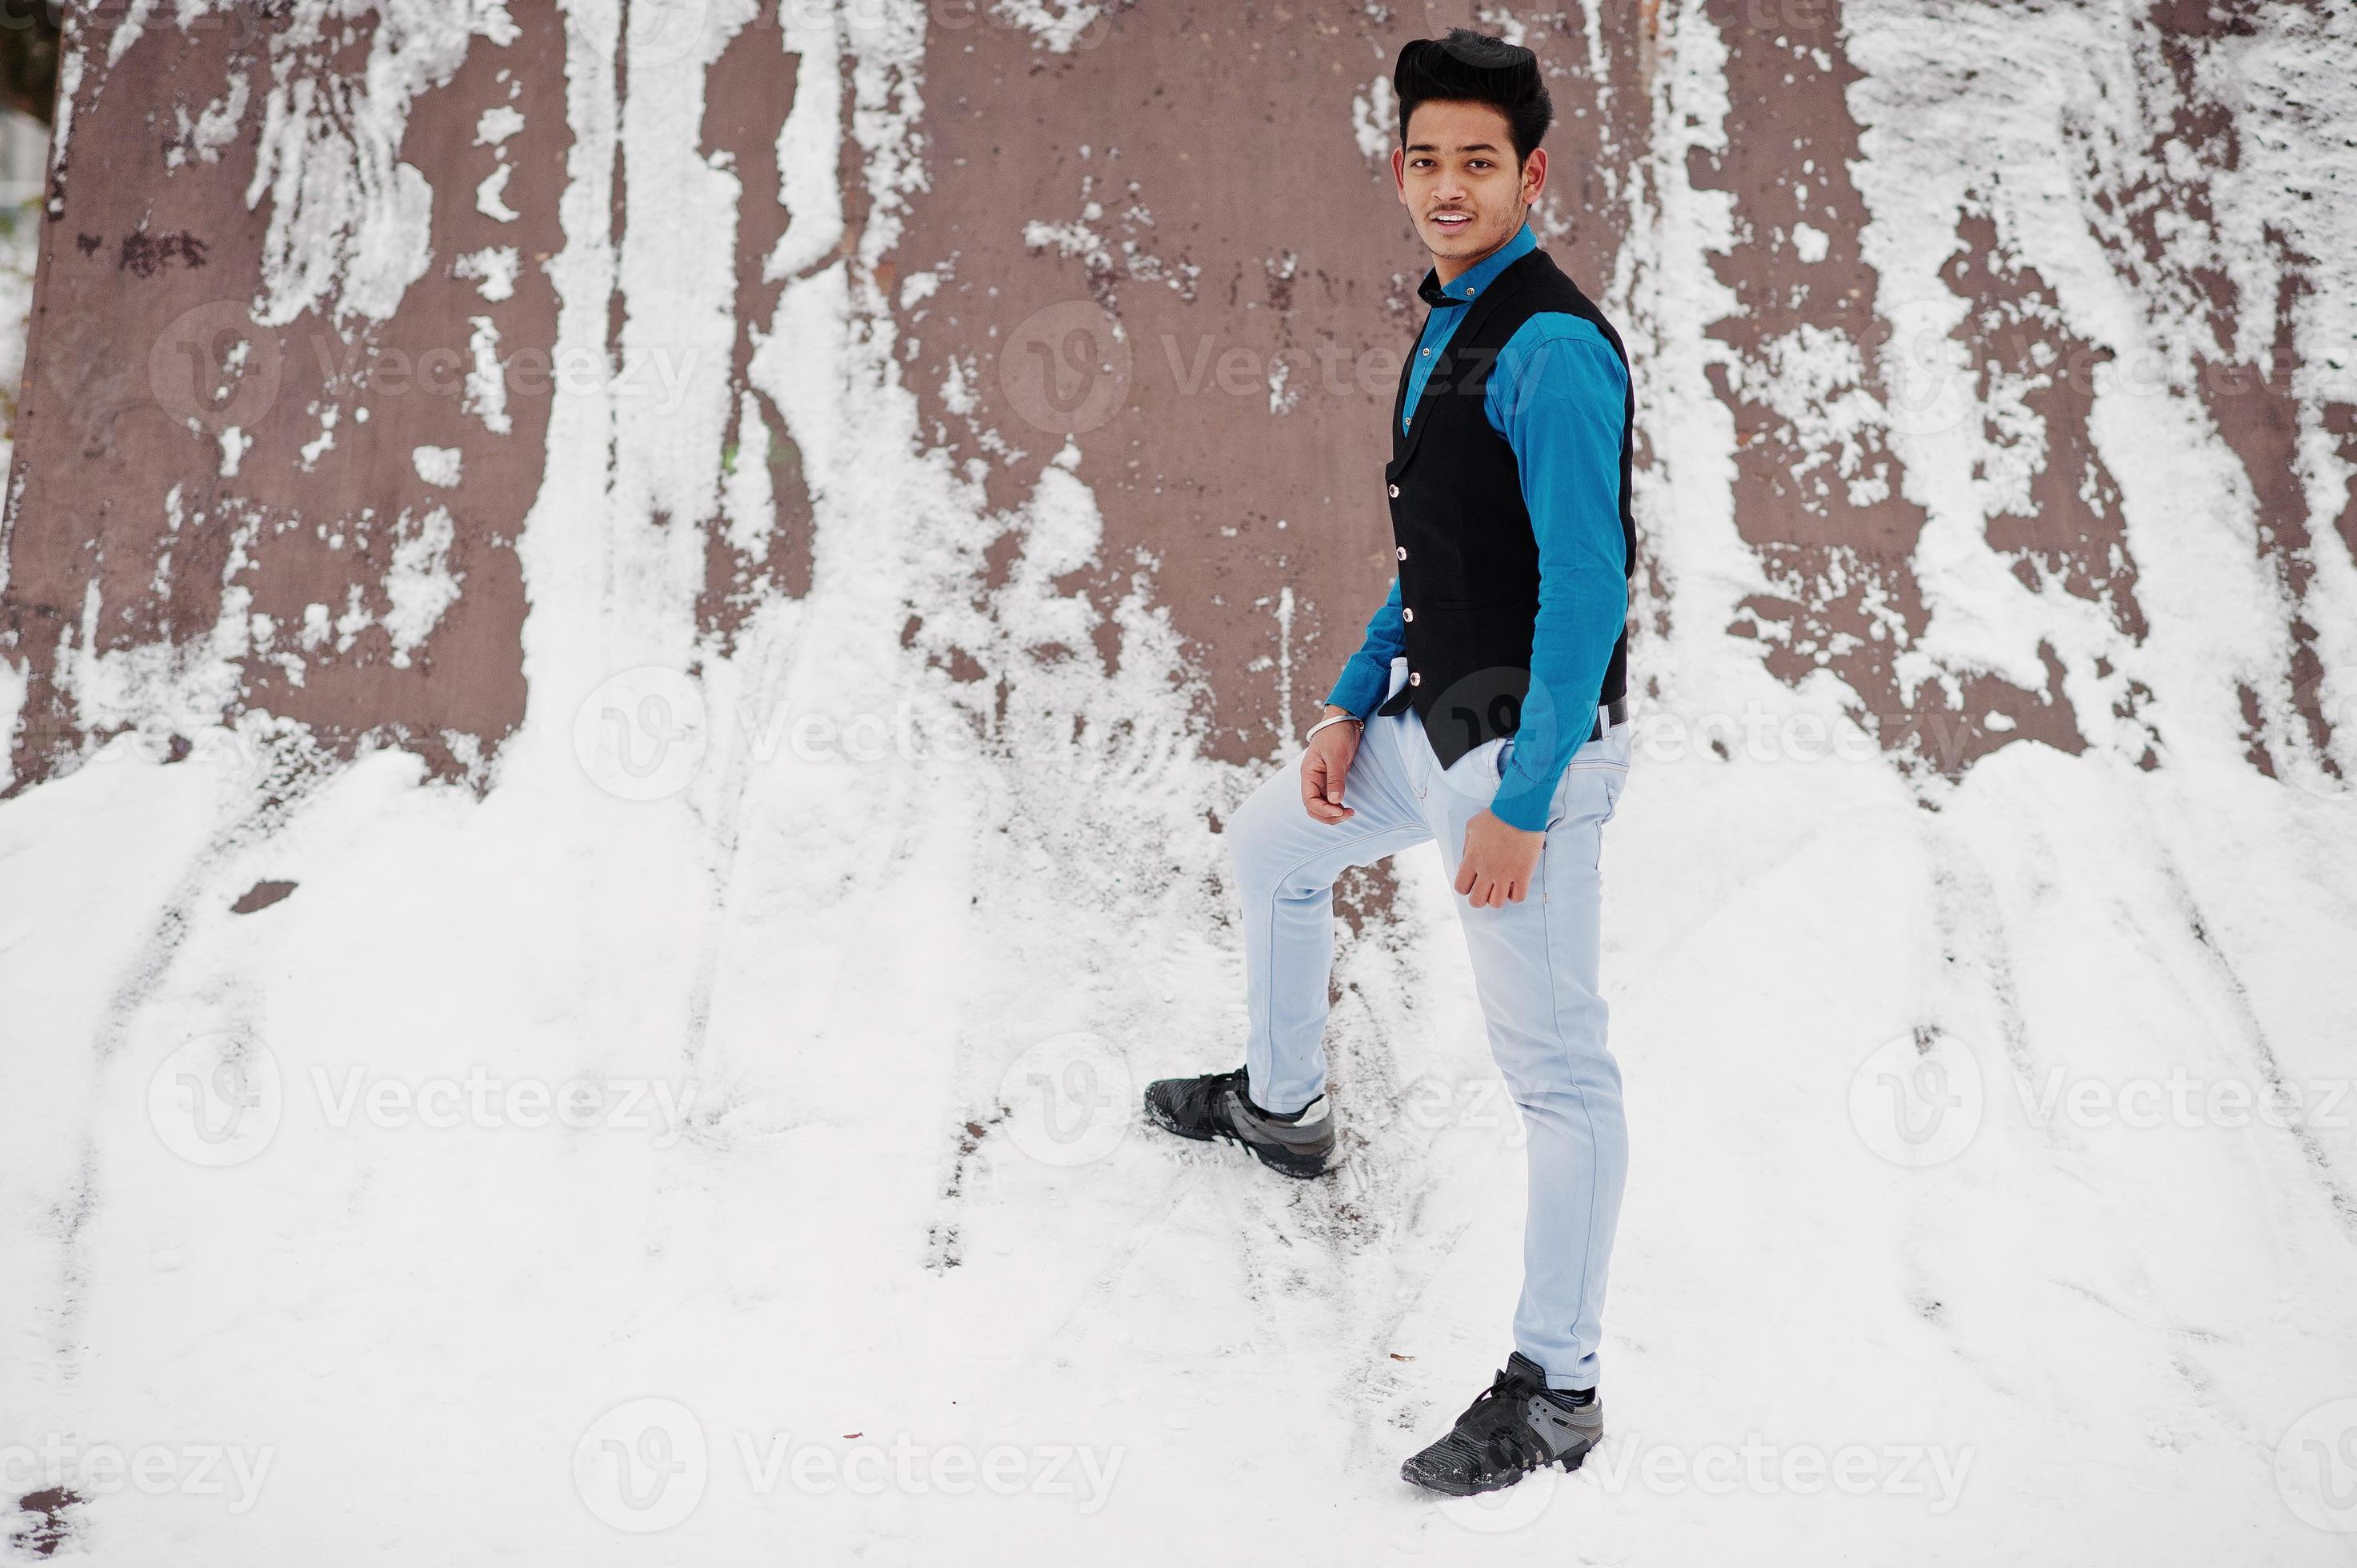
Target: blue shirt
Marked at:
1556, 394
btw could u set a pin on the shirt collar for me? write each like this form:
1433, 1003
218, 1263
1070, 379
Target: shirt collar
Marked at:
1470, 283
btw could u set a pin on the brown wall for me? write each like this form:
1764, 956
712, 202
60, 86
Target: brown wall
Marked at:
1237, 227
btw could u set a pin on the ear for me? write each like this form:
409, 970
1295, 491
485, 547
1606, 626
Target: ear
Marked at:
1399, 173
1534, 170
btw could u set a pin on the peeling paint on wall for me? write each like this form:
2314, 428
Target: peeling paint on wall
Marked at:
1948, 316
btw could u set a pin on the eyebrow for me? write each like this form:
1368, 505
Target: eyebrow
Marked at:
1468, 148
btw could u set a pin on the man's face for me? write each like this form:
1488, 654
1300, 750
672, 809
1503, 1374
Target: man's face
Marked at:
1458, 180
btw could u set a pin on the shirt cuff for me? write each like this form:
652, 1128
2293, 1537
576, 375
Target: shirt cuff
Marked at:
1536, 760
1359, 690
1523, 803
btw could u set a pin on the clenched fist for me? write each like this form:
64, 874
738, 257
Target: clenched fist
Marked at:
1499, 863
1325, 766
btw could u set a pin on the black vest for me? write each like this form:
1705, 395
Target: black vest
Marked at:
1468, 563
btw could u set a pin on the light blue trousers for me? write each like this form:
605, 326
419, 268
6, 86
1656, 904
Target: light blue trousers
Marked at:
1535, 968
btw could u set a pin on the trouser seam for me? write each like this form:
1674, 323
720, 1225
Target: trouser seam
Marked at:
1555, 1006
1268, 958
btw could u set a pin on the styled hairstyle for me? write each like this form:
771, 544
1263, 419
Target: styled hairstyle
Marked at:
1471, 67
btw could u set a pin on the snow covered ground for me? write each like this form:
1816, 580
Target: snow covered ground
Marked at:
854, 1164
718, 1137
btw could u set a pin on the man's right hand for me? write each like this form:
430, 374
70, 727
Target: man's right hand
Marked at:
1325, 765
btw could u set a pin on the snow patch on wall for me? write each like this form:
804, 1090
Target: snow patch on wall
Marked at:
70, 74
420, 584
1374, 119
807, 185
486, 396
490, 199
1078, 240
493, 269
349, 221
14, 684
213, 129
20, 254
2049, 146
437, 464
1060, 26
497, 124
164, 687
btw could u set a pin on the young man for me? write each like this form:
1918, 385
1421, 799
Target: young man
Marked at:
1485, 710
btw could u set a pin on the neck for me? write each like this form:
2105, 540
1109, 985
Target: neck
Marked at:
1449, 270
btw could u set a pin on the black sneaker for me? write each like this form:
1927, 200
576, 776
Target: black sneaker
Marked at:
1515, 1426
1216, 1106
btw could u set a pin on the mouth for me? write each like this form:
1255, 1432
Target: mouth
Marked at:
1451, 222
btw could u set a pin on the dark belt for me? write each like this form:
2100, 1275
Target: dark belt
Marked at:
1617, 714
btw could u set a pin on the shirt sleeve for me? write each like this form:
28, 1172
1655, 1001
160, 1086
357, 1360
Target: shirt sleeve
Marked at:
1369, 672
1558, 397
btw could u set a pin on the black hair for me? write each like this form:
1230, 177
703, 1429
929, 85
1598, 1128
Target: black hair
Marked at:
1471, 67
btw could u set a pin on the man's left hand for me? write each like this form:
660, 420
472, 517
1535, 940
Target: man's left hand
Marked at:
1499, 862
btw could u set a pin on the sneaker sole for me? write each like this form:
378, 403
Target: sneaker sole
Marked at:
1276, 1159
1284, 1163
1569, 1462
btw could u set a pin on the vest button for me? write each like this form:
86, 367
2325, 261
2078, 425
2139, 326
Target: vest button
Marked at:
1400, 551
1394, 490
1407, 615
1415, 678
